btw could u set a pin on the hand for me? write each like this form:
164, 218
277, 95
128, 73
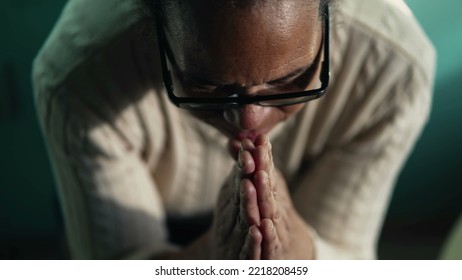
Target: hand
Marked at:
276, 229
255, 217
234, 233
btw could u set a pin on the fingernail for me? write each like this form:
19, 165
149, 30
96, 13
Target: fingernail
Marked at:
247, 144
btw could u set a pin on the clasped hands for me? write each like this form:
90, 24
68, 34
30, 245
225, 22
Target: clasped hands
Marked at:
254, 216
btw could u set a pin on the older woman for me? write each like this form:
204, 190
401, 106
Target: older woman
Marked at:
159, 113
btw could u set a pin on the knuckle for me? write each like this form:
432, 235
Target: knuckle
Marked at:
277, 215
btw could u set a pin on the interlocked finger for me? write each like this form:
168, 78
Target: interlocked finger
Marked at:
271, 244
249, 210
266, 200
251, 250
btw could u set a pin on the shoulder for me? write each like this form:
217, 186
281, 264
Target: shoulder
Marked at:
84, 28
380, 51
382, 69
390, 24
97, 55
97, 72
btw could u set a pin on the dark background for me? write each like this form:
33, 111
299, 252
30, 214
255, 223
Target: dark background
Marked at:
428, 196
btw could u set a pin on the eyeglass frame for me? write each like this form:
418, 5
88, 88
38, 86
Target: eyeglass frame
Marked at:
236, 101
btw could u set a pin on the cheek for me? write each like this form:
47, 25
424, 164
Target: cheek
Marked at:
288, 111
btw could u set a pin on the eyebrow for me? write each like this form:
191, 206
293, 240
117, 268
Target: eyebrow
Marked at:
295, 73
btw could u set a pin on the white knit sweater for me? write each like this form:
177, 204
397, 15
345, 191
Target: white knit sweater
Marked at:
125, 158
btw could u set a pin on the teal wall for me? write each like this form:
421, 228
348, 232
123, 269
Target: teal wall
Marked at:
29, 219
428, 195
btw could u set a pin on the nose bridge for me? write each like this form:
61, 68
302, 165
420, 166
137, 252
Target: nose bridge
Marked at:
243, 90
247, 91
249, 116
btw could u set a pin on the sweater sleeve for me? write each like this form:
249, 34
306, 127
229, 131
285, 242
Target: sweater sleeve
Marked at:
365, 127
345, 193
97, 142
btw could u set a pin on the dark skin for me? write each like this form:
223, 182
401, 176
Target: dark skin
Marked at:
247, 50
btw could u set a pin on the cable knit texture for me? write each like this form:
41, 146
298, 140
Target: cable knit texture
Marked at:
125, 158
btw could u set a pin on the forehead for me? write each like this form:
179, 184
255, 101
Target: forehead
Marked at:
248, 44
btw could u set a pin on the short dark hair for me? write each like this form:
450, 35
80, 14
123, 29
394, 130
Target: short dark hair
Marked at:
157, 7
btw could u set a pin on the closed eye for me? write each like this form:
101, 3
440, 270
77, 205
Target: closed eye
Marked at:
196, 83
285, 80
299, 77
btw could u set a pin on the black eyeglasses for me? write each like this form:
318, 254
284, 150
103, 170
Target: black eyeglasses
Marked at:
203, 100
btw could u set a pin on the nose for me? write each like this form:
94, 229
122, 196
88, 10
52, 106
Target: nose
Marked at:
250, 116
247, 117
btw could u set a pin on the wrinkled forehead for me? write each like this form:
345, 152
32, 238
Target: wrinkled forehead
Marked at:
219, 35
192, 18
